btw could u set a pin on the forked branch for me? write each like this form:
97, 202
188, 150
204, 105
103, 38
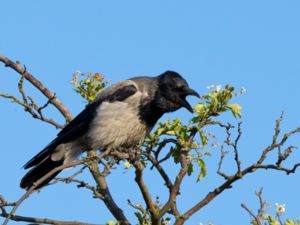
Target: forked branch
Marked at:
230, 180
39, 85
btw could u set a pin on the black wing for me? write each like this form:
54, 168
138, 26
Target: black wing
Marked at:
80, 124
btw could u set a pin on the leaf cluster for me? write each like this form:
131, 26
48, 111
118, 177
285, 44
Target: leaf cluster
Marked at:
217, 102
88, 85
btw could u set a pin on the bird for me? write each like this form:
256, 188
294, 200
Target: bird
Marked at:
121, 116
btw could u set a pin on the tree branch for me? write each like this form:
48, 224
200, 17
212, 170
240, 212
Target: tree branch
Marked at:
29, 109
161, 171
103, 189
36, 184
42, 179
42, 221
92, 163
51, 96
238, 175
151, 206
81, 184
259, 218
178, 181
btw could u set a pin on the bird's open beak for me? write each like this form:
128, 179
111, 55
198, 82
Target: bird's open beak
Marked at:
183, 102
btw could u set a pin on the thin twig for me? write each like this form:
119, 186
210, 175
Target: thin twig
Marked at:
235, 147
179, 178
234, 144
49, 174
136, 206
228, 183
36, 184
163, 143
81, 184
72, 176
252, 214
262, 203
42, 221
278, 215
29, 108
161, 171
151, 206
42, 88
223, 154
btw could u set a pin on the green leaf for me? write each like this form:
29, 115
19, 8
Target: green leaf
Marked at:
289, 222
196, 119
111, 222
274, 223
199, 107
203, 171
160, 131
265, 216
88, 85
236, 110
190, 169
184, 135
171, 132
203, 137
194, 145
139, 216
176, 155
127, 165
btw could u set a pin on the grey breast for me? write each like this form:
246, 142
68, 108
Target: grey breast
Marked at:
118, 123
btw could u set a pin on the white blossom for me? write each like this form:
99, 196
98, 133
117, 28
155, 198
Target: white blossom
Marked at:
210, 87
243, 90
219, 88
280, 208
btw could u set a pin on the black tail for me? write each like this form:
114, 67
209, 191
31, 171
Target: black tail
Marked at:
38, 171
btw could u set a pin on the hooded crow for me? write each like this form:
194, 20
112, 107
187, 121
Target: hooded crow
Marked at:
121, 116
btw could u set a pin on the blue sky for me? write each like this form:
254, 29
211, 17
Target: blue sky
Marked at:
250, 44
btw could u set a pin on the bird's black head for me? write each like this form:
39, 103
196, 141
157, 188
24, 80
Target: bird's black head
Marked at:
172, 92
